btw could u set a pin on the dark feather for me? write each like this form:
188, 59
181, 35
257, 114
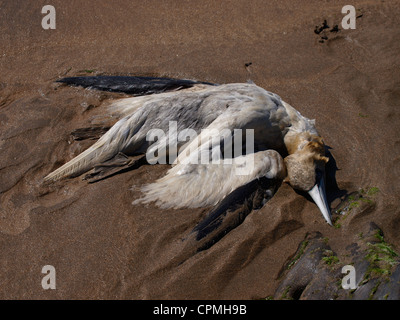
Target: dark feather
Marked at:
131, 85
232, 211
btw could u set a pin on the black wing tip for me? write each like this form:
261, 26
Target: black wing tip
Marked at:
135, 85
138, 78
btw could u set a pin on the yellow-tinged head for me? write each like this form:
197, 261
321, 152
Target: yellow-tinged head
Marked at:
305, 170
302, 166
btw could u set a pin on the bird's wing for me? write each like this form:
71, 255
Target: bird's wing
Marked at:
131, 85
231, 212
202, 185
200, 179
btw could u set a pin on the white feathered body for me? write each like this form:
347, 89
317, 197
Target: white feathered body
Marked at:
230, 106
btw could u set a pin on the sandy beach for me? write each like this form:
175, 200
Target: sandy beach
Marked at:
102, 246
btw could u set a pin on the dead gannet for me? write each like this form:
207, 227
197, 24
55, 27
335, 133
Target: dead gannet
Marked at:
279, 131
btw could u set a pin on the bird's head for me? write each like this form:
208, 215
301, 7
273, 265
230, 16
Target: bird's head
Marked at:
306, 171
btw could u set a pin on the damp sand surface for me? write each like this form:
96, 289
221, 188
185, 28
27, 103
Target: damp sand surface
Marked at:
102, 246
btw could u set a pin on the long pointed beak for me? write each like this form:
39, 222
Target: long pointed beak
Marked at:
318, 194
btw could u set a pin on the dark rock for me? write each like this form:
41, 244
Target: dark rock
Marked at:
335, 29
319, 29
300, 271
315, 272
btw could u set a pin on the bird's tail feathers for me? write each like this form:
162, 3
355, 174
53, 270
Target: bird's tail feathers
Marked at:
81, 163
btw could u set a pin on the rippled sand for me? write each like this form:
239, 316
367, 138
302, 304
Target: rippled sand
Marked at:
103, 247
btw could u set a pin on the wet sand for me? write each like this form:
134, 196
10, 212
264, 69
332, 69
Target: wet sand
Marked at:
102, 246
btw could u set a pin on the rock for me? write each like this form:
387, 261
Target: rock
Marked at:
315, 271
303, 268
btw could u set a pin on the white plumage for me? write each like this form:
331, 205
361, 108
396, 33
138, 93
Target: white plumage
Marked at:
201, 185
278, 128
